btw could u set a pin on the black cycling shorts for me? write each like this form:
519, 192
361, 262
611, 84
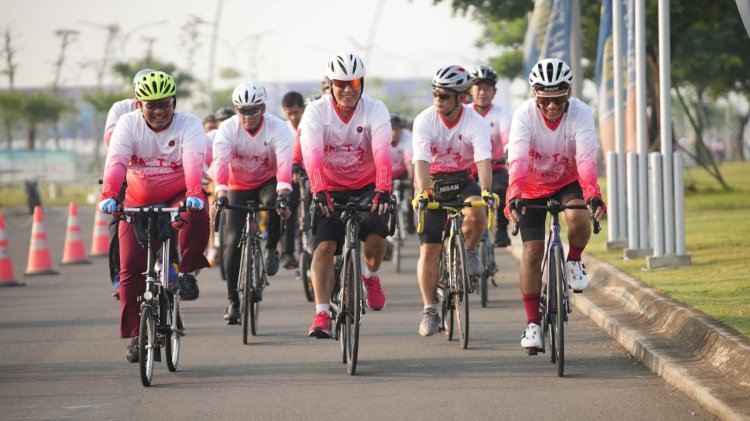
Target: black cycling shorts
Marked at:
533, 222
434, 221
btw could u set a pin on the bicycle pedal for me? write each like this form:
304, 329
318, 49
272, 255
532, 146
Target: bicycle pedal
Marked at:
533, 350
578, 291
157, 354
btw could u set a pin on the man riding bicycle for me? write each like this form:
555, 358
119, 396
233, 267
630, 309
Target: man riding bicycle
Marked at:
345, 139
483, 81
252, 161
161, 153
552, 154
448, 138
401, 157
293, 105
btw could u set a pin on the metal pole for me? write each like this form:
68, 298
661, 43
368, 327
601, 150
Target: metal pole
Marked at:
212, 54
657, 197
576, 48
618, 73
665, 118
613, 229
640, 105
633, 242
679, 206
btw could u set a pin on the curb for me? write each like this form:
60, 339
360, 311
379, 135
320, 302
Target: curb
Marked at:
692, 352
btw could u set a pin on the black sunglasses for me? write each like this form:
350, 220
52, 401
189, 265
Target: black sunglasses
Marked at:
250, 111
443, 97
159, 104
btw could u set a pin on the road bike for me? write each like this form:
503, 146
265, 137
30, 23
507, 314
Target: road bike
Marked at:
401, 213
347, 296
161, 324
453, 283
480, 283
304, 238
251, 280
554, 305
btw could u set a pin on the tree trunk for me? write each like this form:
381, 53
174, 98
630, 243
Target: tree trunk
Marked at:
31, 137
737, 143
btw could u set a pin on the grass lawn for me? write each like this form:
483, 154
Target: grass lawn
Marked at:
717, 232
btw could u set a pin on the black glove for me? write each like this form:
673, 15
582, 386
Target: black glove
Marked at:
516, 204
222, 201
381, 198
594, 203
324, 198
282, 202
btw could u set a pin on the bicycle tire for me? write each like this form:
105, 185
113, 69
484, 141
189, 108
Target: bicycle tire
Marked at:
113, 257
243, 288
398, 241
560, 311
461, 283
173, 339
257, 280
147, 345
352, 309
220, 253
305, 275
486, 251
443, 297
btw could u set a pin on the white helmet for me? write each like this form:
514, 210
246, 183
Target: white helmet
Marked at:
141, 73
550, 74
455, 78
345, 66
249, 94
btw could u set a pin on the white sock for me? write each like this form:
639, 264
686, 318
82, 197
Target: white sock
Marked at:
430, 307
369, 274
322, 307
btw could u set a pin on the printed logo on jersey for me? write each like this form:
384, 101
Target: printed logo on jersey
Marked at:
171, 142
549, 165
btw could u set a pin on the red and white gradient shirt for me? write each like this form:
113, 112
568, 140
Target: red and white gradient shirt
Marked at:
245, 161
117, 110
297, 154
158, 166
346, 155
542, 160
401, 154
499, 120
450, 148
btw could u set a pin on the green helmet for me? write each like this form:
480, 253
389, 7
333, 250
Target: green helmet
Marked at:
155, 85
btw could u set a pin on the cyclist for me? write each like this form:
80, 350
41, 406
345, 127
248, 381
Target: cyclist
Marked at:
293, 105
161, 152
218, 117
552, 154
483, 81
252, 159
118, 109
403, 169
345, 139
448, 139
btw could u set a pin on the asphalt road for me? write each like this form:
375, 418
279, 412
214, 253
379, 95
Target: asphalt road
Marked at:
62, 358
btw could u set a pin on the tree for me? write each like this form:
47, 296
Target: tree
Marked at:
38, 108
11, 103
10, 70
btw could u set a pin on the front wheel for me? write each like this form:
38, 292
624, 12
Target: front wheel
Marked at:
147, 345
256, 290
243, 289
560, 310
352, 309
173, 337
460, 281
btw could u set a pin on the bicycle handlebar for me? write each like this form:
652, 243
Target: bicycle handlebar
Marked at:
436, 205
249, 208
557, 208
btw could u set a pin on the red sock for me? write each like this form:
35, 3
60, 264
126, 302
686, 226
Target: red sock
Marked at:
531, 304
574, 253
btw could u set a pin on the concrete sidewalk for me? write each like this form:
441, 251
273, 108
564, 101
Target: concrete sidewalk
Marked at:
707, 361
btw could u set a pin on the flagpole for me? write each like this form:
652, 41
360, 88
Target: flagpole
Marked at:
575, 47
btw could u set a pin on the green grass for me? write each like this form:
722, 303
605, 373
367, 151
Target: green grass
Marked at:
717, 233
14, 197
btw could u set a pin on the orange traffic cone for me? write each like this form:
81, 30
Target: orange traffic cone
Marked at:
39, 260
100, 238
74, 250
6, 266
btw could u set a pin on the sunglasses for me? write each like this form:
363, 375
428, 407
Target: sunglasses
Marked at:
342, 84
443, 97
250, 111
162, 104
557, 100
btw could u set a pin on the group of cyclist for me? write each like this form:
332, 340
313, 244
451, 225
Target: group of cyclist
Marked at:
348, 144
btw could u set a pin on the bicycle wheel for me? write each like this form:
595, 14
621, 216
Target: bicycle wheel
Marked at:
113, 258
444, 296
398, 242
352, 309
485, 254
460, 279
172, 338
220, 254
305, 274
559, 315
243, 288
147, 345
255, 289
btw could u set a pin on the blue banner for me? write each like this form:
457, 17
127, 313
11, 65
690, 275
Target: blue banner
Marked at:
536, 33
557, 40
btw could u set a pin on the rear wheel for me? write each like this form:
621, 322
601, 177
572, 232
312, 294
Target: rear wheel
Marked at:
486, 256
173, 340
147, 345
460, 278
305, 274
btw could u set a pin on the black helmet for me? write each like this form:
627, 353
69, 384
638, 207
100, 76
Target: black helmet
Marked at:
396, 120
483, 73
224, 113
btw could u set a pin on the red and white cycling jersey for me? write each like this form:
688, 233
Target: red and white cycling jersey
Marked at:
499, 121
118, 109
401, 154
450, 148
245, 161
297, 154
346, 155
542, 160
158, 166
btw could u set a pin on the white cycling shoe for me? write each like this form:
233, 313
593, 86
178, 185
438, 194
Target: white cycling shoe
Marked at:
532, 336
577, 278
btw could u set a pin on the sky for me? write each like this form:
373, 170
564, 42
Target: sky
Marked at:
268, 40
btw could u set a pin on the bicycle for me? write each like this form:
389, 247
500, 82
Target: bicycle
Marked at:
251, 280
401, 213
554, 305
453, 286
347, 296
161, 322
487, 255
304, 239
